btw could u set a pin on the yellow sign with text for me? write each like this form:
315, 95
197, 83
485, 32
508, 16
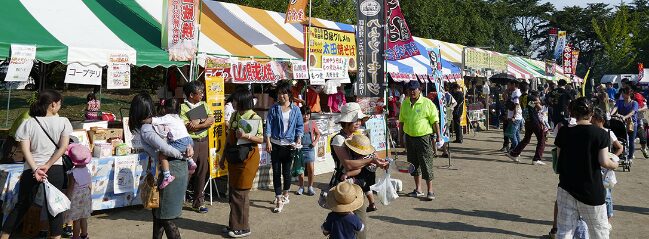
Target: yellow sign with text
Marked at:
326, 42
215, 98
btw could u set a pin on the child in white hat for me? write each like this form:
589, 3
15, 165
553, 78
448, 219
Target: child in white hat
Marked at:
341, 222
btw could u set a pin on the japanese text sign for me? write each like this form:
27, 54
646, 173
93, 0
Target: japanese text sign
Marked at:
21, 62
575, 60
334, 67
215, 99
299, 70
83, 75
325, 42
180, 29
296, 11
118, 73
567, 59
316, 76
217, 66
251, 71
370, 44
435, 57
400, 42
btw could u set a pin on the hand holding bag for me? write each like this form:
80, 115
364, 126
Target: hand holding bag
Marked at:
57, 202
148, 189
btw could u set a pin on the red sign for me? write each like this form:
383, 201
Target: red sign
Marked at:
218, 66
244, 72
575, 60
400, 42
567, 59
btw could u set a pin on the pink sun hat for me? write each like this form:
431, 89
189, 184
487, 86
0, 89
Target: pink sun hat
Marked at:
79, 154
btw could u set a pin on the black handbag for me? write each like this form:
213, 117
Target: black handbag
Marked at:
237, 154
67, 162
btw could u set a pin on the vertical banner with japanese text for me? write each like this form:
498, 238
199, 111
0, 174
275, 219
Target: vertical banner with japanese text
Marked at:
118, 73
370, 35
575, 60
435, 56
561, 43
215, 99
21, 62
180, 29
552, 39
567, 59
400, 42
463, 118
296, 12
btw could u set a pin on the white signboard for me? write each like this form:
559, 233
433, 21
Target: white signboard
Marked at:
118, 75
83, 75
334, 67
124, 175
21, 62
300, 70
316, 76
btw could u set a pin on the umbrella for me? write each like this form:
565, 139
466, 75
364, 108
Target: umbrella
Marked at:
502, 78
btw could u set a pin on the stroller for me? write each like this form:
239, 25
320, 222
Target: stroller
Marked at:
618, 126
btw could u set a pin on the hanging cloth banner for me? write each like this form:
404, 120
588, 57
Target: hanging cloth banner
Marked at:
567, 60
83, 75
215, 99
442, 109
640, 71
370, 38
561, 43
21, 62
180, 29
296, 12
118, 73
255, 71
326, 42
218, 66
299, 70
552, 39
575, 60
435, 56
400, 42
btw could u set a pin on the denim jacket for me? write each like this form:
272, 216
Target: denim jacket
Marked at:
275, 127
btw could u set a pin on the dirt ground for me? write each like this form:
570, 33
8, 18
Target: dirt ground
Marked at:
483, 195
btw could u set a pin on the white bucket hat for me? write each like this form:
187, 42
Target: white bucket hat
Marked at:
351, 112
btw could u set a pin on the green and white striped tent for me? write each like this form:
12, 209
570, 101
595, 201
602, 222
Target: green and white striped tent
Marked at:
84, 31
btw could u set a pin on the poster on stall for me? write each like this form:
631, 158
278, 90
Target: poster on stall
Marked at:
376, 132
400, 42
299, 70
21, 62
316, 76
464, 89
83, 75
124, 174
180, 29
370, 44
561, 43
218, 66
327, 42
321, 150
257, 71
334, 67
215, 99
296, 12
118, 73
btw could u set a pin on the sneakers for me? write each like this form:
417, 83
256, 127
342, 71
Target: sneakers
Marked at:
279, 205
239, 233
310, 192
553, 233
371, 208
166, 181
515, 159
191, 166
201, 209
504, 149
538, 162
285, 199
415, 194
430, 196
300, 191
67, 231
644, 153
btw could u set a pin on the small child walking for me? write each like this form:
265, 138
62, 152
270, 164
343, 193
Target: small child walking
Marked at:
170, 126
79, 191
310, 139
341, 222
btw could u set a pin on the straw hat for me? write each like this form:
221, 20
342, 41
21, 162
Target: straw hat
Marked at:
79, 154
345, 197
351, 112
360, 144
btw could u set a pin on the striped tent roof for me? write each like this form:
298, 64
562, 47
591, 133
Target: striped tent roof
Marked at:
527, 66
83, 31
421, 64
517, 71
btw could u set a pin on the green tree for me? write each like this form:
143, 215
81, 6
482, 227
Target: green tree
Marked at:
618, 36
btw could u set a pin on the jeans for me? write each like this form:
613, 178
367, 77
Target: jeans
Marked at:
516, 138
632, 136
457, 127
609, 202
531, 128
281, 159
505, 138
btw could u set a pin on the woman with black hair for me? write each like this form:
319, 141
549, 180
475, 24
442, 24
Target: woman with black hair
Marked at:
627, 108
284, 130
173, 195
581, 150
43, 138
533, 125
242, 173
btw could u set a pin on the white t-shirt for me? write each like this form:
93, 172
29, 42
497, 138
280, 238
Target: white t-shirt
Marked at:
285, 118
228, 111
41, 146
339, 141
170, 124
518, 113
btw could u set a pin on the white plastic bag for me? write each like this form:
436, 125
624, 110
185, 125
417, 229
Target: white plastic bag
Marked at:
385, 189
57, 202
609, 179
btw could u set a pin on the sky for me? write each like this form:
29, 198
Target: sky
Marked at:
560, 4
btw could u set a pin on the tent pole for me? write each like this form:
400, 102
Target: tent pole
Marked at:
8, 101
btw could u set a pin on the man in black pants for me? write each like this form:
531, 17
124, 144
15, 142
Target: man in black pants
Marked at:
458, 95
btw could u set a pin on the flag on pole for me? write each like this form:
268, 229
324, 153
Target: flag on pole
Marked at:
400, 42
296, 12
370, 46
561, 43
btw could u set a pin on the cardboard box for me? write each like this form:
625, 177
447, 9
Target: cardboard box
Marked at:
99, 135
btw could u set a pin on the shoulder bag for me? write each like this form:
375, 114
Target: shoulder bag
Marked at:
237, 154
148, 189
67, 162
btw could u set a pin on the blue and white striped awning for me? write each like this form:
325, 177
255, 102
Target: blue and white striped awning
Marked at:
420, 65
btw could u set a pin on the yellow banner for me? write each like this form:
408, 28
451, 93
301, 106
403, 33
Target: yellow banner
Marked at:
215, 98
296, 12
325, 42
463, 119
